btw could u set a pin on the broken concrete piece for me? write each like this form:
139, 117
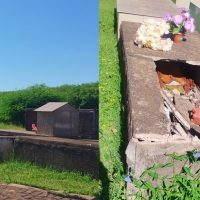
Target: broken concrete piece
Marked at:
142, 155
196, 116
183, 106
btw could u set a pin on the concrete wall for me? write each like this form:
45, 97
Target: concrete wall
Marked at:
138, 11
65, 157
71, 155
6, 148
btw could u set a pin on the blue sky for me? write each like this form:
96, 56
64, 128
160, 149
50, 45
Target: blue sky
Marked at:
50, 42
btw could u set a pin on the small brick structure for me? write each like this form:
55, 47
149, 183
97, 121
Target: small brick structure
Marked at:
58, 119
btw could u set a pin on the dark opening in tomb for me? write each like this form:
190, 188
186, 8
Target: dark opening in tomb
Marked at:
180, 89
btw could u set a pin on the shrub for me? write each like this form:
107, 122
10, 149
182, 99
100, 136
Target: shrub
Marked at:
13, 104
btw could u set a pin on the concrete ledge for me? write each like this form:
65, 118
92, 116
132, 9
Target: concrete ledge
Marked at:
188, 51
5, 132
142, 155
146, 7
143, 98
139, 10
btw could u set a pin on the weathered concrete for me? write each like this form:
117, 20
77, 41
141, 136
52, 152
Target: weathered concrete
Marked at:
139, 10
6, 132
149, 138
143, 98
68, 154
61, 155
146, 7
142, 155
6, 148
188, 51
183, 3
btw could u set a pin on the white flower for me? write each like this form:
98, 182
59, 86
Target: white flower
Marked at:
150, 32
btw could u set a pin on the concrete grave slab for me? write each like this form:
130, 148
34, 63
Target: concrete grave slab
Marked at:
188, 51
139, 10
149, 138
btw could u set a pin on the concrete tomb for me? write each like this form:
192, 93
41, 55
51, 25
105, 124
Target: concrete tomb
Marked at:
58, 119
150, 129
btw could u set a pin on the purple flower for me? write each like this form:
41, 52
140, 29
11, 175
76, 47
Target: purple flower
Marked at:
186, 15
167, 17
197, 155
193, 28
189, 26
183, 10
128, 179
191, 19
178, 19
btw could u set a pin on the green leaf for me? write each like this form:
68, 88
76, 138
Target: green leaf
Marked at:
153, 174
187, 171
178, 157
160, 166
176, 31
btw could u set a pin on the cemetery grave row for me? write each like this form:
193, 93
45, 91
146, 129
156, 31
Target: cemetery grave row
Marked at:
60, 119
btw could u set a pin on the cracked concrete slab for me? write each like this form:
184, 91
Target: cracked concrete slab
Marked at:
147, 126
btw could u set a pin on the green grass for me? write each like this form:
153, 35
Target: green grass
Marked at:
11, 127
46, 178
110, 105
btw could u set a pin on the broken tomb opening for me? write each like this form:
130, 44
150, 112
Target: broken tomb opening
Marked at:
180, 90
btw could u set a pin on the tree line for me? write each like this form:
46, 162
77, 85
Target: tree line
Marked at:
13, 104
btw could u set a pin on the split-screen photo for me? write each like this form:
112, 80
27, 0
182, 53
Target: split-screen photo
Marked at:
99, 100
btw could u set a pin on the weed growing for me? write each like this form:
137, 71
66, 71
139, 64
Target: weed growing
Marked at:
181, 185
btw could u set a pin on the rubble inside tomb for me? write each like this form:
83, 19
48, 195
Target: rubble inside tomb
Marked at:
181, 96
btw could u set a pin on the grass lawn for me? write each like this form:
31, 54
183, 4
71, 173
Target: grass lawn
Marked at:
46, 178
110, 105
11, 127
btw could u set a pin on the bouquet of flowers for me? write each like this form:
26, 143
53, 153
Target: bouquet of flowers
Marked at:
159, 34
180, 23
150, 33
